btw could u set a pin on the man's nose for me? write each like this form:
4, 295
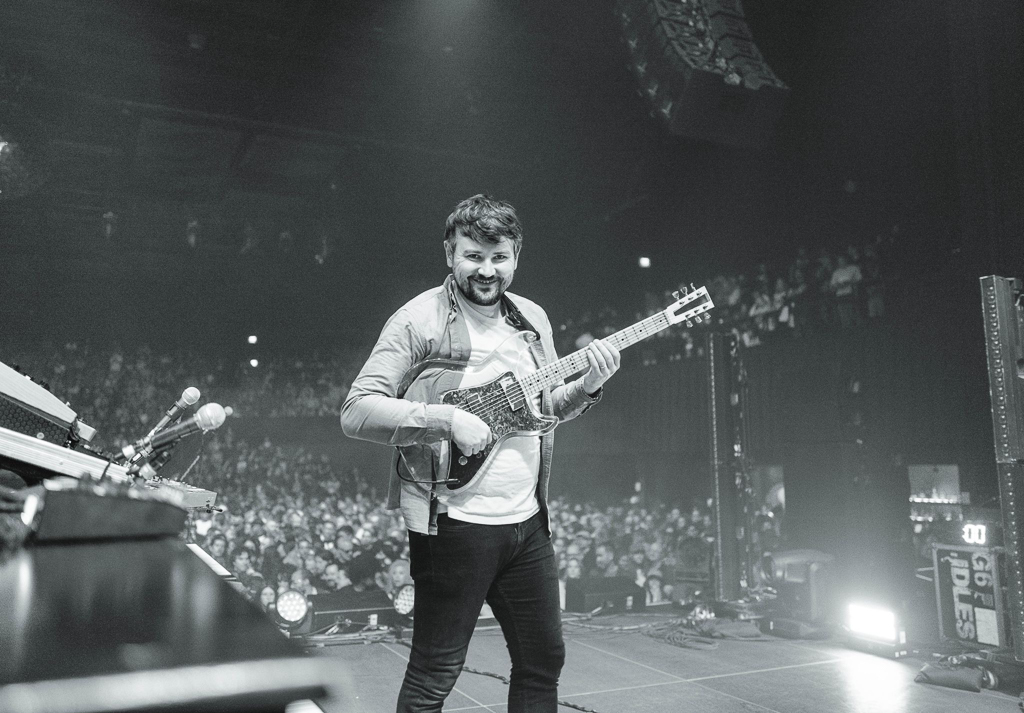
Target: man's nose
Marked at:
486, 269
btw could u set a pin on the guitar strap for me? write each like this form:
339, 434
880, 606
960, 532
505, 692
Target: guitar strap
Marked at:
516, 318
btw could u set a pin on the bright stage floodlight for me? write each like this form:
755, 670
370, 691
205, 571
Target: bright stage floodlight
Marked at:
875, 629
292, 609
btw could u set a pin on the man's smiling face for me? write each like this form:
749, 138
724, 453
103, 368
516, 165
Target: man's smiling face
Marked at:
482, 271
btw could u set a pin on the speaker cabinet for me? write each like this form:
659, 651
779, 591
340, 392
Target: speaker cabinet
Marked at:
803, 583
698, 67
619, 594
1001, 303
1001, 299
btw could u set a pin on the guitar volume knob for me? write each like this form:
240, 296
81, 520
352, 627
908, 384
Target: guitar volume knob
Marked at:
463, 460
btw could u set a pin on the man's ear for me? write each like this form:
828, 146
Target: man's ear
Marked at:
448, 253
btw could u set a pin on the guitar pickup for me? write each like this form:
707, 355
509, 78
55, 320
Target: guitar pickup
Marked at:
513, 392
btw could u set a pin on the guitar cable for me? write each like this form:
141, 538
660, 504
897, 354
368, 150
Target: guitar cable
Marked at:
432, 482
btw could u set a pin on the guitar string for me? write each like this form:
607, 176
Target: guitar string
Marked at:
493, 404
496, 403
562, 371
627, 337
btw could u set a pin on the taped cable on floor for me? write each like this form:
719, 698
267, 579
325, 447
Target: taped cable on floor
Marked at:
698, 630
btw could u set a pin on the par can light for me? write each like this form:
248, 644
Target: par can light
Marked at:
292, 608
404, 600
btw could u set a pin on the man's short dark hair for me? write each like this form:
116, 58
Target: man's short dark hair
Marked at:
485, 220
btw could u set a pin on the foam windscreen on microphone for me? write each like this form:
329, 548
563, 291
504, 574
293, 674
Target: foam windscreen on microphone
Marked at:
211, 416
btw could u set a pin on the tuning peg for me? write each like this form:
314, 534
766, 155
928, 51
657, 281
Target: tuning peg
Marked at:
692, 288
689, 323
675, 294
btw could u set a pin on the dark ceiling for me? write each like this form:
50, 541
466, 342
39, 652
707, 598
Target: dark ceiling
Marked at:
268, 101
365, 120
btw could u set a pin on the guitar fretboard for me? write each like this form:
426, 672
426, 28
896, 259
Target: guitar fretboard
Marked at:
576, 362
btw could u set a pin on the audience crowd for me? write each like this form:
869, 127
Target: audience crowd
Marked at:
126, 389
290, 518
837, 289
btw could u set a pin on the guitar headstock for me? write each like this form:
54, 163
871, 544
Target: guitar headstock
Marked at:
691, 306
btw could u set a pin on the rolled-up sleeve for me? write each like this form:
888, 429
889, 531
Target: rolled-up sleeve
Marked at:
570, 400
373, 410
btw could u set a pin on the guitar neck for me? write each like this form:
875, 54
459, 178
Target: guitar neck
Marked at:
558, 371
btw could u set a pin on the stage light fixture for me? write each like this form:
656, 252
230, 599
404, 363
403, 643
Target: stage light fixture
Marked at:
404, 600
872, 622
645, 262
292, 609
875, 629
252, 339
254, 362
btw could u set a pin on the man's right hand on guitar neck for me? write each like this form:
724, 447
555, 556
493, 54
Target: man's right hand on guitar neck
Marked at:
470, 433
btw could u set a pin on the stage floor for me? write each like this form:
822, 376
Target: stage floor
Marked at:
620, 671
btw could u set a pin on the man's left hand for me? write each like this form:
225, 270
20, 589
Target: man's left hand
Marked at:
604, 361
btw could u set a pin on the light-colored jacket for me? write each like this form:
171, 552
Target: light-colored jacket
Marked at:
383, 409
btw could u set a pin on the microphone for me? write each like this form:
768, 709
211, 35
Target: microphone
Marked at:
207, 418
188, 397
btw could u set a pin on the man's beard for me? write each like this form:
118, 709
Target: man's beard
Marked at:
471, 291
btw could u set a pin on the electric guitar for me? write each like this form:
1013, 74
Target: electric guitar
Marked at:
504, 399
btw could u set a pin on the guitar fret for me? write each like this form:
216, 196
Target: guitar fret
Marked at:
577, 361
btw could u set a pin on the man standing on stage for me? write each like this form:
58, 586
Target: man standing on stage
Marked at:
489, 541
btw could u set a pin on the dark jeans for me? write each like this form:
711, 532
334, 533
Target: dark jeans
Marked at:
513, 568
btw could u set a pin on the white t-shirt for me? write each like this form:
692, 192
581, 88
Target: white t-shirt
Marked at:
506, 492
